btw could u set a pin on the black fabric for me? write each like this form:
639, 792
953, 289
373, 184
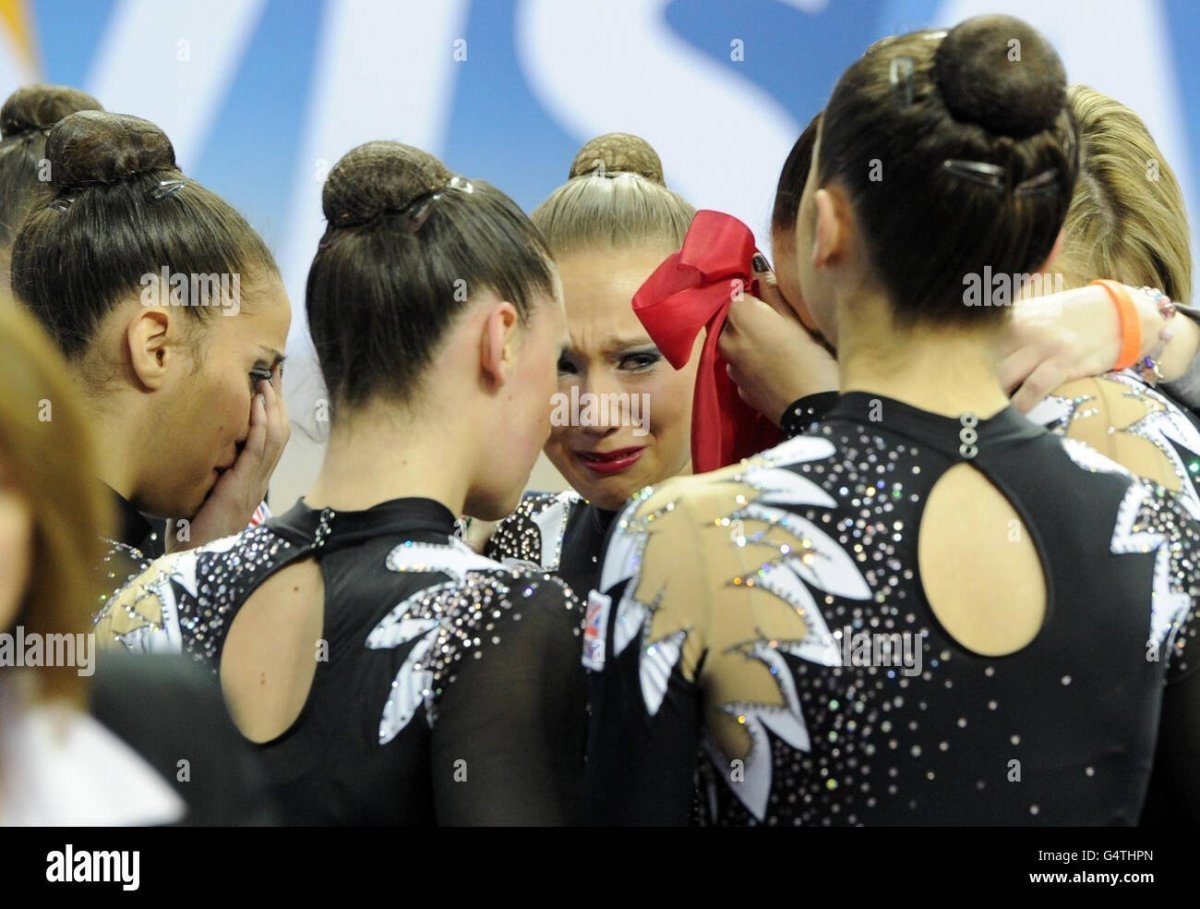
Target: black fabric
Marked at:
136, 530
804, 412
641, 768
575, 558
171, 713
1078, 708
582, 546
496, 735
136, 546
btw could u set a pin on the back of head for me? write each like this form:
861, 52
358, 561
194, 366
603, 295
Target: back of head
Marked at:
1127, 218
792, 179
615, 197
959, 153
25, 119
407, 245
46, 456
121, 210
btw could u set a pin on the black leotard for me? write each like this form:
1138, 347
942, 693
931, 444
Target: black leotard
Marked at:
447, 689
736, 604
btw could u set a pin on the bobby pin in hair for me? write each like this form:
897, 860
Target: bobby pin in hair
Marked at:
995, 178
900, 74
419, 210
166, 188
990, 175
1043, 184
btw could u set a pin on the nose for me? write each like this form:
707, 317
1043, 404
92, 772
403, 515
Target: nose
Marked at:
602, 404
598, 432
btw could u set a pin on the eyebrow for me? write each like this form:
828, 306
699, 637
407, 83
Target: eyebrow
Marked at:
620, 346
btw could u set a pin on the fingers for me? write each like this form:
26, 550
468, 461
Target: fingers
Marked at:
731, 344
1016, 366
768, 289
1049, 375
268, 431
748, 313
256, 438
732, 372
278, 427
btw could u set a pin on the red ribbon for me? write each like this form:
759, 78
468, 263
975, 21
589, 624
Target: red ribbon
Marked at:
691, 290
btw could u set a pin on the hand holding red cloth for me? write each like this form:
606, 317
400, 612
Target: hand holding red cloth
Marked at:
691, 290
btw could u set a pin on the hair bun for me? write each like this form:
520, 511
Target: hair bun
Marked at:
379, 177
35, 107
1000, 73
97, 147
618, 153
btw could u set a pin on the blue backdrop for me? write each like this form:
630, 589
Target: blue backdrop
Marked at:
261, 96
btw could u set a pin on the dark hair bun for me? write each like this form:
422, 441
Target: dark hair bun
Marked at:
379, 177
92, 147
618, 153
36, 107
1001, 74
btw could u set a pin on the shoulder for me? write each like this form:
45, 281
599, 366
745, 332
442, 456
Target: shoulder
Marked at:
479, 613
1118, 424
779, 475
147, 613
140, 615
1122, 417
122, 563
533, 534
736, 541
474, 583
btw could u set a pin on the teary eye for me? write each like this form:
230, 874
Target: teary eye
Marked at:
639, 361
259, 374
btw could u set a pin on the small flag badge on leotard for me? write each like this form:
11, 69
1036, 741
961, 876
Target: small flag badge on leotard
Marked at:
261, 514
594, 630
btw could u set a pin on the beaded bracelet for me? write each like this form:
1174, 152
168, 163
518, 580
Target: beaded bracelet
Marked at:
1148, 368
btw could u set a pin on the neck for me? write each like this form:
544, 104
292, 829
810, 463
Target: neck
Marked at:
378, 453
117, 445
946, 371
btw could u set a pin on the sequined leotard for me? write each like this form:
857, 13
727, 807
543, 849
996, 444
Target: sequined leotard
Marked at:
1122, 417
561, 533
449, 689
769, 617
136, 545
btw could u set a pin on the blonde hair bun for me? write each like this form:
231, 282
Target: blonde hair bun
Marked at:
618, 153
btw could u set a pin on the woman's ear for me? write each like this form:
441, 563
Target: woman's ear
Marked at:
496, 348
146, 339
829, 238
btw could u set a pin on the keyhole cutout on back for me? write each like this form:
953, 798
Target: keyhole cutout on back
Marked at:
271, 651
979, 568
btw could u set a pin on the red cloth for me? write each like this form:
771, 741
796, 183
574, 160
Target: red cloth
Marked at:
691, 290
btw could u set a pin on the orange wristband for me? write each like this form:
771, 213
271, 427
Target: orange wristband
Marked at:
1131, 325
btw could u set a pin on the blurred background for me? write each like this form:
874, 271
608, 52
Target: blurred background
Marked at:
261, 97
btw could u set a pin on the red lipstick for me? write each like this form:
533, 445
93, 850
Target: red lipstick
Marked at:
610, 462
